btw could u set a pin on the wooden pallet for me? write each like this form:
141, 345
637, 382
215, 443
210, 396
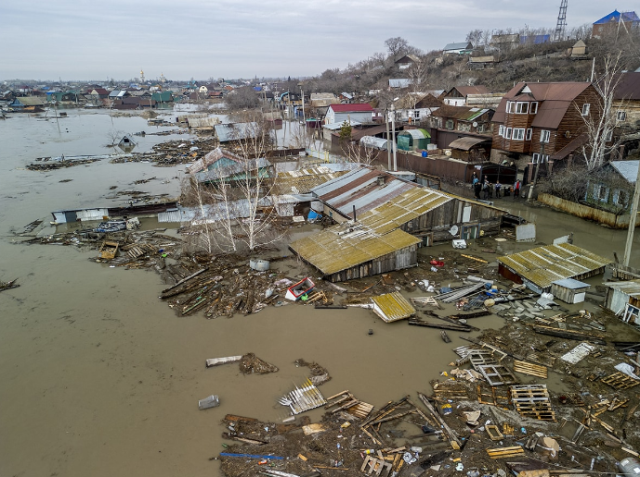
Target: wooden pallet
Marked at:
540, 359
376, 466
450, 391
481, 357
530, 369
532, 401
497, 374
493, 398
504, 452
620, 380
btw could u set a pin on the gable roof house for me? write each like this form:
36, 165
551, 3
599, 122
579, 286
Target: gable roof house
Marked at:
461, 48
457, 96
615, 21
543, 122
222, 165
415, 107
337, 113
407, 61
626, 101
449, 123
610, 188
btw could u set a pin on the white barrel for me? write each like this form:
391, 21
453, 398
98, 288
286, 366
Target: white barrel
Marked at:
209, 402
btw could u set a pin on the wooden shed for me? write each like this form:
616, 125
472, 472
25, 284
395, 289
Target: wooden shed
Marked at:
623, 298
570, 290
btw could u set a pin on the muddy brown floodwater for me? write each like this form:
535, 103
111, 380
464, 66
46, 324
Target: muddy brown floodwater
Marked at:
99, 377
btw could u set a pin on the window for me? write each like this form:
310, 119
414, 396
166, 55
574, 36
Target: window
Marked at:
449, 124
534, 108
608, 137
508, 134
522, 108
585, 109
529, 133
539, 159
480, 128
602, 193
536, 158
510, 106
621, 198
416, 114
518, 134
545, 135
621, 116
501, 131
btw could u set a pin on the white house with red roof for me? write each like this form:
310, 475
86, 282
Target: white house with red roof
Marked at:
338, 113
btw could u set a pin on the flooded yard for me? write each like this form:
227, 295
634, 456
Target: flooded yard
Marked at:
99, 377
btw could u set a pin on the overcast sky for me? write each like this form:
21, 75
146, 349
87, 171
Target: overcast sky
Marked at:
82, 39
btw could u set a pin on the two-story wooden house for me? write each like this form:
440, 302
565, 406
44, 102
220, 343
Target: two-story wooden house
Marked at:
536, 122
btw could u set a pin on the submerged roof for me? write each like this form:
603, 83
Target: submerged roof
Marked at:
544, 265
237, 131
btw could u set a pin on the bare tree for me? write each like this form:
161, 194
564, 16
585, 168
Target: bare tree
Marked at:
600, 119
396, 46
242, 98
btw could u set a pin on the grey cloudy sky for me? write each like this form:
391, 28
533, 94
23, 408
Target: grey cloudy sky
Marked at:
81, 39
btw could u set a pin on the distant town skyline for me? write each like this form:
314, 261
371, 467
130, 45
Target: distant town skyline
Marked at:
79, 40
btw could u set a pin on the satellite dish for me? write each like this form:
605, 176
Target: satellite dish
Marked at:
475, 124
454, 230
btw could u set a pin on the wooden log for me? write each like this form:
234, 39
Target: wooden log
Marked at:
440, 326
567, 334
391, 418
184, 280
452, 436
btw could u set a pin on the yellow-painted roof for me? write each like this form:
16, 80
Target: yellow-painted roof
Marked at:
392, 307
302, 181
375, 234
544, 265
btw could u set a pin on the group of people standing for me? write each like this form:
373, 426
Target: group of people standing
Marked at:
496, 190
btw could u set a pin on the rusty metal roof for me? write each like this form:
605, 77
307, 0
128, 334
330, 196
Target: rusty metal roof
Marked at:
466, 143
392, 307
544, 265
363, 188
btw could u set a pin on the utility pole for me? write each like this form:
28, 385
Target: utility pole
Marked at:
386, 122
393, 135
632, 221
535, 177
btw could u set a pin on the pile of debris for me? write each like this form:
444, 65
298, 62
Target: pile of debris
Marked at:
172, 153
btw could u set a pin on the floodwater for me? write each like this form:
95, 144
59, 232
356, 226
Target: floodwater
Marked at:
99, 377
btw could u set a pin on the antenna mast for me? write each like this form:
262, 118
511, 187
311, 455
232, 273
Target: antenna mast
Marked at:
562, 21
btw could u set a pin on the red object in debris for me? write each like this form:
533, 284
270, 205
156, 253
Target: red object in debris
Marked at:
263, 462
437, 263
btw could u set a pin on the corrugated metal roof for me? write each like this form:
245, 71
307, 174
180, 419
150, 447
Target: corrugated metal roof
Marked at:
375, 234
571, 284
212, 157
399, 82
415, 133
392, 307
466, 143
615, 16
304, 180
237, 131
331, 253
363, 188
375, 142
544, 265
630, 287
457, 46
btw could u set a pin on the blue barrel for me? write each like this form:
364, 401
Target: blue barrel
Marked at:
425, 154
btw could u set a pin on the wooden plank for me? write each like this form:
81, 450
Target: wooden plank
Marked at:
452, 435
503, 452
530, 369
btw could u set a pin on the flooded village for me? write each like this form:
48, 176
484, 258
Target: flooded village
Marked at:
422, 265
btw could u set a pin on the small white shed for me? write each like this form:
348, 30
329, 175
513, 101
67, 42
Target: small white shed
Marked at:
570, 290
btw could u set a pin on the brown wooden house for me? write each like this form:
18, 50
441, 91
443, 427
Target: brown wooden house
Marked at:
541, 121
